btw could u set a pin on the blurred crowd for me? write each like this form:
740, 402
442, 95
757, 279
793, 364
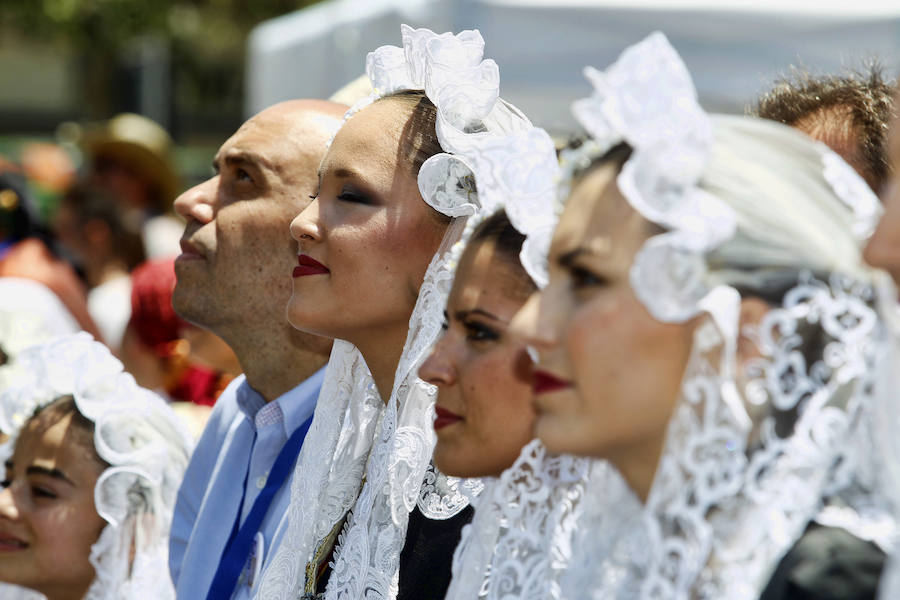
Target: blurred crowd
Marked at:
93, 249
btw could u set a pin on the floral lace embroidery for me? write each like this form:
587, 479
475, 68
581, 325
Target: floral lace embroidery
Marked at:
520, 540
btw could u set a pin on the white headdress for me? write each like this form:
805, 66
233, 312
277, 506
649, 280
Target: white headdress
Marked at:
512, 549
137, 434
752, 450
354, 435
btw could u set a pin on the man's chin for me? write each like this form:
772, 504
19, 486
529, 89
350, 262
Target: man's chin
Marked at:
186, 305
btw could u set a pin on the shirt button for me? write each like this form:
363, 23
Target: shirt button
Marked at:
260, 482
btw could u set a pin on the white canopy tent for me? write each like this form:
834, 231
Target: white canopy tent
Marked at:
734, 48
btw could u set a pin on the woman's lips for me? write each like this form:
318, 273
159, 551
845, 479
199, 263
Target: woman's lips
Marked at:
10, 543
544, 382
444, 417
309, 266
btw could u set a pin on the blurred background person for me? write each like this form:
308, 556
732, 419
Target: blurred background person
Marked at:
41, 296
105, 243
849, 113
129, 157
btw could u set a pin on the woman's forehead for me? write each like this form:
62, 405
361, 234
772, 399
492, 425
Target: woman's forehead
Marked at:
485, 274
594, 210
54, 441
367, 144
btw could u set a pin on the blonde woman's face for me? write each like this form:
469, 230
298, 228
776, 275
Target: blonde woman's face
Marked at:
367, 238
609, 374
48, 521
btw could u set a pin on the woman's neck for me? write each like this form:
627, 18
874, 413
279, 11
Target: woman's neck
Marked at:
67, 591
638, 464
382, 355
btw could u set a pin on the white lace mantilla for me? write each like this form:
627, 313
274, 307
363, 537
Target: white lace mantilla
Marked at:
524, 533
735, 490
753, 450
367, 459
137, 434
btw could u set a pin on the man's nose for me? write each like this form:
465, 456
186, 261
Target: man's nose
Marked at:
198, 203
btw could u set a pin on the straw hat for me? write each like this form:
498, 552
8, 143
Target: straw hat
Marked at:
141, 144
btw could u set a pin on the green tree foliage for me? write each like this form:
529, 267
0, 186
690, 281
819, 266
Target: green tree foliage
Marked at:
109, 25
205, 41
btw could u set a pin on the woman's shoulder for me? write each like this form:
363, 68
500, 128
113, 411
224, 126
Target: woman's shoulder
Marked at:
827, 563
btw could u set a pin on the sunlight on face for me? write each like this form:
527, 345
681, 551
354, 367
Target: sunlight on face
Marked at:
48, 520
883, 250
609, 373
483, 373
367, 238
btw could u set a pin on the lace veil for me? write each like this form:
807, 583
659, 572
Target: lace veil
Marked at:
363, 455
136, 433
510, 549
754, 448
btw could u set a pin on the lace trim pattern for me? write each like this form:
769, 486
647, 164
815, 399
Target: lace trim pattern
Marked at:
521, 538
734, 490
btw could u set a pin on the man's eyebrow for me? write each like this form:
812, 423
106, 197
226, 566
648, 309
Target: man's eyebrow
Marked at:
54, 473
243, 157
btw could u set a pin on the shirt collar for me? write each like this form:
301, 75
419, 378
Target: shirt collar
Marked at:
296, 404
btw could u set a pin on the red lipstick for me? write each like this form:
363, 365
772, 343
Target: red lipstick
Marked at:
309, 266
544, 382
444, 418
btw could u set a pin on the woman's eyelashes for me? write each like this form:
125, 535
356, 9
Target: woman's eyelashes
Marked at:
477, 331
41, 492
36, 491
585, 278
348, 195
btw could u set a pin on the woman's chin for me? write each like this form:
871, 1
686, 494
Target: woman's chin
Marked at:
302, 320
558, 437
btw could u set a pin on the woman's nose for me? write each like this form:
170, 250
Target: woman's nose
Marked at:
8, 508
306, 226
438, 368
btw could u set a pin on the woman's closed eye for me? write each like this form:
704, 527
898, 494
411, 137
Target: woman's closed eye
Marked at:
348, 195
479, 332
42, 492
584, 278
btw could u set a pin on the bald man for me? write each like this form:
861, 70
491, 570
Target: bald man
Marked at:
234, 278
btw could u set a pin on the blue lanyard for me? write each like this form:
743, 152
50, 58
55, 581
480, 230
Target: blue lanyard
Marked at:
234, 557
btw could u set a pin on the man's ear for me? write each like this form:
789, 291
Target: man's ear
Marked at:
753, 310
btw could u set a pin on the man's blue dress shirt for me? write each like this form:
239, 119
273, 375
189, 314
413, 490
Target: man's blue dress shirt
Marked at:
241, 440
